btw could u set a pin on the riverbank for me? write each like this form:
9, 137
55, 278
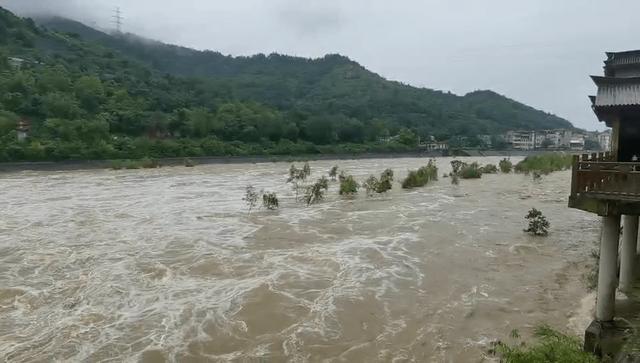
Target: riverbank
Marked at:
203, 160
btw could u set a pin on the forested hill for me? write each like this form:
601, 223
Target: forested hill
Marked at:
88, 94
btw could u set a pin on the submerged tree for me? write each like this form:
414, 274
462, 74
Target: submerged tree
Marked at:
298, 176
349, 186
538, 223
306, 170
422, 176
489, 169
456, 166
250, 197
333, 173
315, 192
342, 176
471, 171
270, 201
455, 180
374, 185
505, 165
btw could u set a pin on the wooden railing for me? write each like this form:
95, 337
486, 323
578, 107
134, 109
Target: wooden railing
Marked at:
600, 176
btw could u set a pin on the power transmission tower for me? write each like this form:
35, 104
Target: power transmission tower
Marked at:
117, 19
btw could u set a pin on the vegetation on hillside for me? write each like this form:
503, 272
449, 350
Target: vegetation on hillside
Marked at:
89, 95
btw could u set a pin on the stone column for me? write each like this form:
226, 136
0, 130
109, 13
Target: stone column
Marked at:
628, 252
607, 271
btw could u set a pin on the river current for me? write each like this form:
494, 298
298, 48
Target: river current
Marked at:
168, 265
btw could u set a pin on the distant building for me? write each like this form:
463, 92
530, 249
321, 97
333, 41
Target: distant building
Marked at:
577, 143
557, 139
486, 140
16, 62
521, 140
549, 139
436, 145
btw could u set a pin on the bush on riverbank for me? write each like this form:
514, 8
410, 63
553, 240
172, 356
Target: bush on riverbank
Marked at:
550, 346
545, 163
145, 163
422, 176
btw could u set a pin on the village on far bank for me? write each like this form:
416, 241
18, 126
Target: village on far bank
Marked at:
525, 140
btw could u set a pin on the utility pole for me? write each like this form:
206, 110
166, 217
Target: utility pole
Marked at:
117, 19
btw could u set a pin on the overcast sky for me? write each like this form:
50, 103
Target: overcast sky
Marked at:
539, 52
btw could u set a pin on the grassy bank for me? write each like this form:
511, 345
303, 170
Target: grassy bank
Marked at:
549, 346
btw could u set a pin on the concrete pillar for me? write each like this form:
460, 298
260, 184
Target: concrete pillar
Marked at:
607, 271
628, 252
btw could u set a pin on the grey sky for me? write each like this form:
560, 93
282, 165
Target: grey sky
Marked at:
538, 52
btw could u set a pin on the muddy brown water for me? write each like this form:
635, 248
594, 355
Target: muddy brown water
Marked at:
167, 265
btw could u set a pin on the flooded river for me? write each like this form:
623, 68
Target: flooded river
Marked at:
167, 265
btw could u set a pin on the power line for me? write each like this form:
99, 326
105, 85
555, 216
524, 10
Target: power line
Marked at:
117, 19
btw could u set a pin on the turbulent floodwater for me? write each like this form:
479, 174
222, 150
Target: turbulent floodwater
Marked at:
166, 264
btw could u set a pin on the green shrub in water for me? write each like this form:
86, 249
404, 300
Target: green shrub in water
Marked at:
250, 197
505, 165
349, 186
538, 223
315, 192
422, 176
333, 173
374, 185
470, 171
489, 169
270, 201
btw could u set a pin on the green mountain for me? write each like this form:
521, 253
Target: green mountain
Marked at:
88, 94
